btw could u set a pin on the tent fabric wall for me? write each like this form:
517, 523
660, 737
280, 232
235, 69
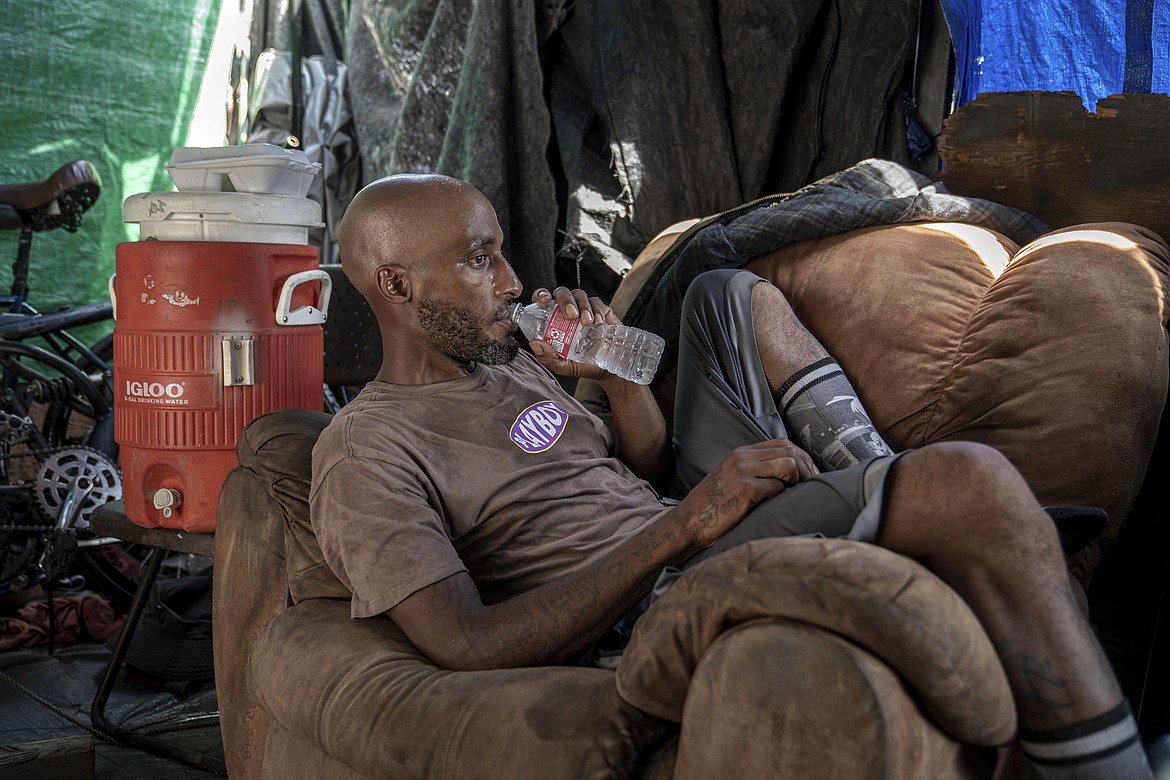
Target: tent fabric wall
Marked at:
608, 121
109, 81
325, 133
1095, 48
456, 87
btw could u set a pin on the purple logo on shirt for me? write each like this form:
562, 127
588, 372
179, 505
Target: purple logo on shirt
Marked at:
539, 426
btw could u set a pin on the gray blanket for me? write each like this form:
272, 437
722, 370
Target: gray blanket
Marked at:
873, 192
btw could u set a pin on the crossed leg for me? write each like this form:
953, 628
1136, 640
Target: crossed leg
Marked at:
962, 510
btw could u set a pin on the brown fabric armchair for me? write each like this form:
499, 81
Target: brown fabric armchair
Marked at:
783, 658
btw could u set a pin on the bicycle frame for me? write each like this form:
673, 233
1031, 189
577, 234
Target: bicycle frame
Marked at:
64, 375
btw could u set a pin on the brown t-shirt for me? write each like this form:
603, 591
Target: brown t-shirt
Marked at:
500, 473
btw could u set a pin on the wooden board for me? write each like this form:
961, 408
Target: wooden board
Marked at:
66, 758
1044, 153
110, 520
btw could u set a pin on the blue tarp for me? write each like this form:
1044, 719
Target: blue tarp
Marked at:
1095, 48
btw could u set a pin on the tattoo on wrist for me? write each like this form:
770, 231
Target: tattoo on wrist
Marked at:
1038, 689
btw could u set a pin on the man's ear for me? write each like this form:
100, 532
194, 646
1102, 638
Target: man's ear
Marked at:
393, 283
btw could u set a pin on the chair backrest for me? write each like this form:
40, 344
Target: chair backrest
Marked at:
353, 343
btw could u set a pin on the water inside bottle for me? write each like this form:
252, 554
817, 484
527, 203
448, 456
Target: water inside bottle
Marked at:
630, 353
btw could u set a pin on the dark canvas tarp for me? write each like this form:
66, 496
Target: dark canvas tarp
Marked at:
611, 120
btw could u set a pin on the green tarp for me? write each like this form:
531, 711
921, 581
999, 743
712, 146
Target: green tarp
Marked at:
110, 81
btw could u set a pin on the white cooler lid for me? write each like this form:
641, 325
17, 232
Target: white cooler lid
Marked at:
222, 216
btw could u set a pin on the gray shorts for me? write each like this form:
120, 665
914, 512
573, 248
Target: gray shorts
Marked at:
723, 401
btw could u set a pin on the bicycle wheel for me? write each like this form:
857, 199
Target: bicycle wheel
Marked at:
77, 418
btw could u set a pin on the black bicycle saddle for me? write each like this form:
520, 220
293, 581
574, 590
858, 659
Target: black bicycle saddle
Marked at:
58, 201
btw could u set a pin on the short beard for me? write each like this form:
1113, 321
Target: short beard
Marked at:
457, 332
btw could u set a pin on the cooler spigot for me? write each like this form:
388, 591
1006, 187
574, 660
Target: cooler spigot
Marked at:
167, 500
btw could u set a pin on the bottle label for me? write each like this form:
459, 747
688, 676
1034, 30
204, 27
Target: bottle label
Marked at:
560, 332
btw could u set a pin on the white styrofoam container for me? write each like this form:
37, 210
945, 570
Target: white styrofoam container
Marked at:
222, 216
263, 169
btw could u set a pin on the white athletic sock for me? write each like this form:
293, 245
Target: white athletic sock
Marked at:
1107, 747
820, 408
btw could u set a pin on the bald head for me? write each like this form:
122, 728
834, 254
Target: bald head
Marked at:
401, 220
426, 252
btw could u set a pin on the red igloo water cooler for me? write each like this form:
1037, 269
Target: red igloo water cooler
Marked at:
218, 312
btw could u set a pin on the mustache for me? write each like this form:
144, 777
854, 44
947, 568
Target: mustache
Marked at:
503, 311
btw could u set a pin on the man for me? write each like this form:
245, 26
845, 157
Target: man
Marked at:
465, 495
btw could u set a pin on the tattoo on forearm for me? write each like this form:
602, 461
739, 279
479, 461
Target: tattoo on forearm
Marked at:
1038, 689
718, 506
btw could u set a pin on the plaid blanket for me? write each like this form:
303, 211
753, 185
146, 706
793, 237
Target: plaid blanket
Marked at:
872, 192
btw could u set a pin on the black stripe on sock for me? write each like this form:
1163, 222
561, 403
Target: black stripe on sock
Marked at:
818, 381
1086, 758
788, 383
1082, 729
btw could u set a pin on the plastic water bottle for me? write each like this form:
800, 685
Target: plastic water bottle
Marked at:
627, 352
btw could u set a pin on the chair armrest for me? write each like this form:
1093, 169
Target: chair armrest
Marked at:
886, 603
359, 691
248, 590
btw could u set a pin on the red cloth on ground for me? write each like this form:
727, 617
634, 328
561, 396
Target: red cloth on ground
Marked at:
77, 616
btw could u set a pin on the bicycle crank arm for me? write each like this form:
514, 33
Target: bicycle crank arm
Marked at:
61, 544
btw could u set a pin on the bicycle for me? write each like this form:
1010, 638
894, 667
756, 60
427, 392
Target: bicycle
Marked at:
58, 457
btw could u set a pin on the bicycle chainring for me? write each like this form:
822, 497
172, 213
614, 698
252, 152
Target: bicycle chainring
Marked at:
60, 468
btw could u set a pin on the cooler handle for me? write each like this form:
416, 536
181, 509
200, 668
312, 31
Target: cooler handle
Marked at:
113, 299
306, 315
